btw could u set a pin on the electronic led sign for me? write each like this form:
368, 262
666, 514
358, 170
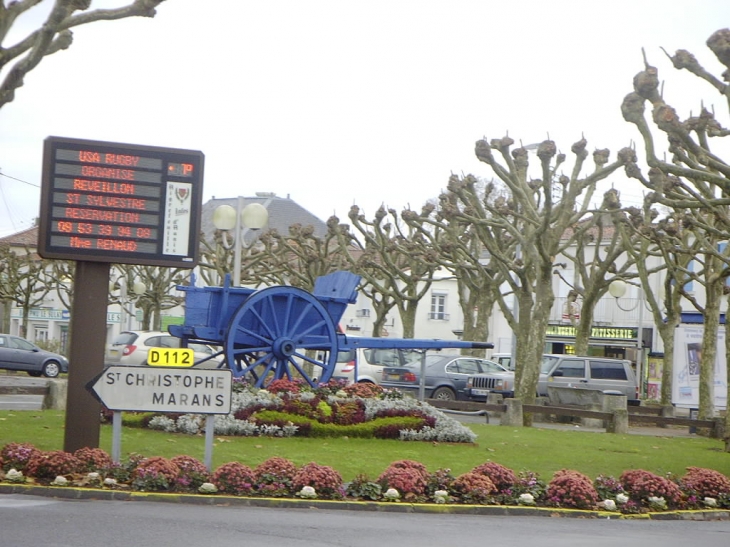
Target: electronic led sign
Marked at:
120, 203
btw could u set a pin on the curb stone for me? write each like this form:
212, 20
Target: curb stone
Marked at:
390, 507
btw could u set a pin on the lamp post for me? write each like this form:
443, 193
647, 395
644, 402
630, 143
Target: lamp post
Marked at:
617, 289
253, 216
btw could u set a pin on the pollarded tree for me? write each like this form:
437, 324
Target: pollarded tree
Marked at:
392, 260
525, 232
458, 250
25, 281
598, 257
694, 180
54, 35
668, 242
159, 294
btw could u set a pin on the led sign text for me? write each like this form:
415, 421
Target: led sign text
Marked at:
120, 203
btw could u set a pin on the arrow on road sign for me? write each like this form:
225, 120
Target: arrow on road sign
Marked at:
153, 389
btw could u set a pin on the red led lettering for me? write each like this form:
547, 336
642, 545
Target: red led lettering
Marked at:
80, 243
89, 157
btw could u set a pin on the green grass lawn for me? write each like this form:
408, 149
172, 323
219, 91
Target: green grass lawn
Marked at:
543, 451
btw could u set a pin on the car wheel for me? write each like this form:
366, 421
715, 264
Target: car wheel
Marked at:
444, 394
51, 369
34, 373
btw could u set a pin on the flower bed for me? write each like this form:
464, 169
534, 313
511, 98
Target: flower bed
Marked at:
635, 491
291, 407
334, 409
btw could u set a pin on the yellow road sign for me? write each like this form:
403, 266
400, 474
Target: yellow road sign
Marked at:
170, 357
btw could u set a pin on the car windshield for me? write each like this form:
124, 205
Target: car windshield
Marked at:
490, 366
548, 362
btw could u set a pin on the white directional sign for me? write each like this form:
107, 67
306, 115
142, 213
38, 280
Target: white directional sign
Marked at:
152, 389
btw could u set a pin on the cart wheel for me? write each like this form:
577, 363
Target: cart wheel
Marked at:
281, 332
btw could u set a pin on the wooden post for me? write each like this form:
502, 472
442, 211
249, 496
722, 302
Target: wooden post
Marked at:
86, 356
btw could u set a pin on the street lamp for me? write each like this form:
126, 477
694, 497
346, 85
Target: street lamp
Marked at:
253, 216
617, 289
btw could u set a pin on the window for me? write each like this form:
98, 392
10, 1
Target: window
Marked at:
608, 370
438, 307
465, 366
572, 369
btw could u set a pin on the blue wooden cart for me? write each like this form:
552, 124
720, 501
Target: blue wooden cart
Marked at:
275, 332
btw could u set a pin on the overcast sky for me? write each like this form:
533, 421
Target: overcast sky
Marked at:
339, 102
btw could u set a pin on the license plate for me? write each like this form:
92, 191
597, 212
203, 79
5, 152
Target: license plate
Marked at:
392, 377
480, 392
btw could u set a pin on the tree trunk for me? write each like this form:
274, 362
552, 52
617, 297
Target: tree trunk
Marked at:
709, 349
666, 331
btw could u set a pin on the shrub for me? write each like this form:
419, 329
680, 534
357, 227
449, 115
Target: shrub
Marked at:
390, 427
570, 488
502, 477
192, 473
92, 459
348, 412
17, 455
440, 479
365, 390
528, 483
282, 385
702, 483
274, 477
324, 479
409, 477
642, 485
155, 474
473, 488
608, 487
363, 488
51, 464
234, 478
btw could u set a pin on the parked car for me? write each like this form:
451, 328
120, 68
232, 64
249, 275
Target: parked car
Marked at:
446, 376
131, 348
599, 373
504, 359
365, 365
18, 354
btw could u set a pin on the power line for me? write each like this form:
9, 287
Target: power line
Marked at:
19, 180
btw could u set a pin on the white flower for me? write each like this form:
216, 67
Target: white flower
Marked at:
60, 481
609, 505
621, 498
93, 476
14, 476
440, 496
391, 494
657, 502
307, 492
526, 499
110, 481
207, 488
710, 502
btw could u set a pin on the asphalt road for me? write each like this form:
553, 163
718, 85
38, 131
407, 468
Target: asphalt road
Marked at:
30, 521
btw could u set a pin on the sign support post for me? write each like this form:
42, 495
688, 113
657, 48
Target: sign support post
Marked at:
86, 357
106, 203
